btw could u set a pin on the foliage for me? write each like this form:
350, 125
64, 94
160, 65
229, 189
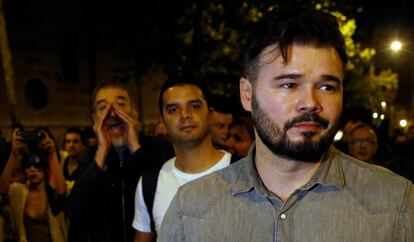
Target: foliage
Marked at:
212, 37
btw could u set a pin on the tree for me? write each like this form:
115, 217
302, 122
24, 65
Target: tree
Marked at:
211, 37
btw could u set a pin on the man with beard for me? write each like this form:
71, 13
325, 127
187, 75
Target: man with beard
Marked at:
185, 114
294, 185
101, 204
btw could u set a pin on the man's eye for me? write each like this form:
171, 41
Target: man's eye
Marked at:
196, 106
101, 107
122, 104
328, 88
171, 110
288, 85
237, 138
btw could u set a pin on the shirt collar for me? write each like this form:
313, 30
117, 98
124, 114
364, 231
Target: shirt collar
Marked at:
330, 173
248, 178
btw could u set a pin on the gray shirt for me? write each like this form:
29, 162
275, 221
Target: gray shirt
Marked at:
346, 200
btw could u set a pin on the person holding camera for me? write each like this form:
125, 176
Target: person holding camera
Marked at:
36, 207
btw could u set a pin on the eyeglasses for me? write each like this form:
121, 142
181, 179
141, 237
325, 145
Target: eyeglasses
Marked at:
363, 141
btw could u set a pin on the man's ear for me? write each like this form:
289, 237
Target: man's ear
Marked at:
246, 92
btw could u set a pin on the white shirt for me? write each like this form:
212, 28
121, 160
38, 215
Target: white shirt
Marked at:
169, 180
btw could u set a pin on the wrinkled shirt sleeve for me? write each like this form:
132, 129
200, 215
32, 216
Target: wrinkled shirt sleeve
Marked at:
172, 228
408, 213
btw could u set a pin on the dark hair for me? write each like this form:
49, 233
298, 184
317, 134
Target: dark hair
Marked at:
73, 130
221, 103
109, 84
286, 26
35, 156
355, 114
179, 82
88, 132
246, 122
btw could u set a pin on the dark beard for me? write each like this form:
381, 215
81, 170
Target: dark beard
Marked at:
279, 143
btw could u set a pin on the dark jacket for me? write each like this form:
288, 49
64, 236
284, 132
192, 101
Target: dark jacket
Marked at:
101, 204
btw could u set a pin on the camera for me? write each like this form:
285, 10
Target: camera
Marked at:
31, 136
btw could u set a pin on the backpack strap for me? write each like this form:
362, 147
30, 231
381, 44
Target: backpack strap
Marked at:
149, 186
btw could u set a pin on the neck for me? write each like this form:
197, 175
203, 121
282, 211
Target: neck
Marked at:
280, 175
37, 187
196, 158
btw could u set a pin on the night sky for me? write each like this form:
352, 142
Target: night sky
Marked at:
381, 22
45, 23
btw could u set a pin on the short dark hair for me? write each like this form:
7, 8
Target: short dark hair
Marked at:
179, 82
39, 156
73, 130
221, 104
286, 26
247, 122
108, 84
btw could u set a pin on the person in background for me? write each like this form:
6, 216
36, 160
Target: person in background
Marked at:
89, 137
351, 117
220, 120
160, 129
36, 208
363, 143
185, 113
73, 145
241, 136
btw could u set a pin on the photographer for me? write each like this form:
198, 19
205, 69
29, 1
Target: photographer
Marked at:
36, 207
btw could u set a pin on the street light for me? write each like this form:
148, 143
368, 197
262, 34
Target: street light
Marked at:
396, 46
403, 123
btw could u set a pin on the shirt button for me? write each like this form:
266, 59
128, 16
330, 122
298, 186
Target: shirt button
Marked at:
283, 216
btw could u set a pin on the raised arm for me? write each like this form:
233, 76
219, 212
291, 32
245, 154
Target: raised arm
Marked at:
49, 145
13, 162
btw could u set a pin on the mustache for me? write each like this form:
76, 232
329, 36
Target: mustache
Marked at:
306, 117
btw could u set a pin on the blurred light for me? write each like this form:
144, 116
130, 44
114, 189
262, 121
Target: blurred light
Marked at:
375, 115
403, 123
396, 45
338, 135
383, 104
382, 117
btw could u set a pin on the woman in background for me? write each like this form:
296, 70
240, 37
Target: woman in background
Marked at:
36, 207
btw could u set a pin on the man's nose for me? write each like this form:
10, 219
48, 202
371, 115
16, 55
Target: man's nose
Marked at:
186, 113
308, 101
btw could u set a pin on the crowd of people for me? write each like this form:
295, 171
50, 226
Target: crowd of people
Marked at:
206, 174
